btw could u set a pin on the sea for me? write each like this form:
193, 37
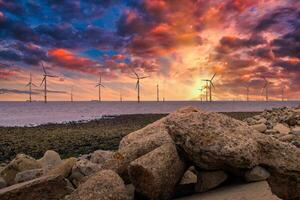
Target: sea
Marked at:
36, 113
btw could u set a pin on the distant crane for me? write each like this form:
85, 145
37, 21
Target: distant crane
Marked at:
30, 84
99, 85
45, 82
137, 86
209, 85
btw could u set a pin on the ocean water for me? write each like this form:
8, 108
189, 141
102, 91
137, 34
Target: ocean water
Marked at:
35, 113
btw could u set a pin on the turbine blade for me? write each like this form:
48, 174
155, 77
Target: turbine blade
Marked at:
43, 80
44, 68
137, 83
212, 84
27, 84
143, 77
213, 77
134, 72
33, 84
51, 76
102, 85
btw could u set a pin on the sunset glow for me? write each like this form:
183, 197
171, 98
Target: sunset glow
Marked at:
178, 43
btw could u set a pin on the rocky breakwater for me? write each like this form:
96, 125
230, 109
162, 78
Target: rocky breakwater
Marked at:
281, 123
185, 153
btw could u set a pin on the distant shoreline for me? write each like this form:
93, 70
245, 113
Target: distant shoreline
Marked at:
75, 138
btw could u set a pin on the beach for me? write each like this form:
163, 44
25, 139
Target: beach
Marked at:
75, 138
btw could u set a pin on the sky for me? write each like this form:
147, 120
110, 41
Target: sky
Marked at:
178, 43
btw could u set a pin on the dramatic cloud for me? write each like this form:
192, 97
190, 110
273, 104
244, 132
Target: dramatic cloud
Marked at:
177, 43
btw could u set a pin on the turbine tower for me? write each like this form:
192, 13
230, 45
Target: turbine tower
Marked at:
200, 96
99, 85
137, 86
72, 94
45, 82
157, 93
266, 88
30, 84
209, 85
247, 90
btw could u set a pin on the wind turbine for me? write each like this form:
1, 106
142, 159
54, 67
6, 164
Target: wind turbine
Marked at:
99, 85
157, 93
72, 94
247, 90
137, 86
200, 93
266, 88
209, 85
30, 84
45, 81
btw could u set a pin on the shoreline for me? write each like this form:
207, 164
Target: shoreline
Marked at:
76, 138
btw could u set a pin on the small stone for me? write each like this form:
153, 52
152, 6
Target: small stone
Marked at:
50, 160
271, 132
187, 184
296, 131
63, 169
28, 175
105, 184
262, 121
257, 174
260, 127
282, 128
101, 156
2, 183
287, 138
296, 143
208, 180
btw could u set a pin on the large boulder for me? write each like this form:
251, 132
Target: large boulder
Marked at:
209, 179
43, 188
215, 141
20, 163
104, 185
28, 175
156, 174
50, 160
63, 169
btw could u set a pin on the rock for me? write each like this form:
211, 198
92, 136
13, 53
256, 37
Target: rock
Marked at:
2, 183
260, 127
20, 163
262, 121
50, 160
257, 174
296, 143
287, 138
43, 188
135, 145
63, 169
187, 184
208, 180
155, 174
130, 191
81, 169
28, 175
282, 128
271, 132
296, 131
250, 191
104, 185
101, 156
217, 142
